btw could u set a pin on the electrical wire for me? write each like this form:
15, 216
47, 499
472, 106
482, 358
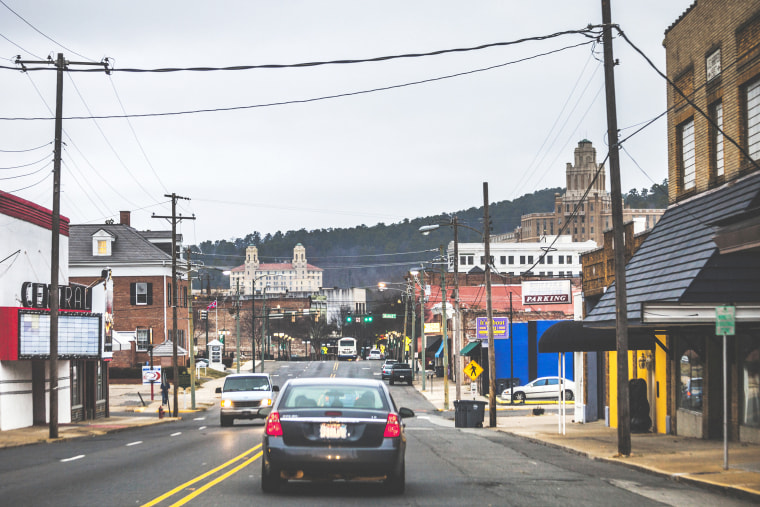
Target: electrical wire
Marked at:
24, 165
590, 32
27, 149
41, 33
50, 162
105, 138
32, 185
297, 101
19, 47
134, 134
673, 85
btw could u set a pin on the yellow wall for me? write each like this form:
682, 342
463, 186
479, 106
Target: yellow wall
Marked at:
660, 375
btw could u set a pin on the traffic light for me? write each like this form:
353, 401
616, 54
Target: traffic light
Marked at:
368, 319
349, 318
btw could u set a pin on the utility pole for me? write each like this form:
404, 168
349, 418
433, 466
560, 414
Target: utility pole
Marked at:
237, 327
621, 304
489, 313
191, 343
174, 218
54, 291
457, 316
444, 325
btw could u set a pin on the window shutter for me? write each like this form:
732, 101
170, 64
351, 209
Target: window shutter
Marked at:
150, 293
133, 293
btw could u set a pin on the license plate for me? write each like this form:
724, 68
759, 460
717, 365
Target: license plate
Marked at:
333, 431
401, 376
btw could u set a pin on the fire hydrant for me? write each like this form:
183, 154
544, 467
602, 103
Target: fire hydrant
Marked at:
160, 412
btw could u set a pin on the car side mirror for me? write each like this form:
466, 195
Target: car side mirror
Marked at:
404, 412
276, 389
265, 411
218, 390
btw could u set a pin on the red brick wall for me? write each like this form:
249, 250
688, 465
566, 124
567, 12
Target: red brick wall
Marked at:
129, 317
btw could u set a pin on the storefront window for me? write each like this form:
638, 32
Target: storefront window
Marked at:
751, 388
100, 395
691, 381
76, 398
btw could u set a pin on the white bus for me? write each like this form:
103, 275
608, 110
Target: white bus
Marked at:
347, 349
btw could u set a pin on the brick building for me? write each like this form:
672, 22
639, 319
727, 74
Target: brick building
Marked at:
594, 212
703, 252
142, 285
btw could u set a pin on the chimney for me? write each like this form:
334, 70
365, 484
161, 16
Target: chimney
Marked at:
124, 218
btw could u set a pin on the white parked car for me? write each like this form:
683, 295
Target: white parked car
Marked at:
376, 354
543, 388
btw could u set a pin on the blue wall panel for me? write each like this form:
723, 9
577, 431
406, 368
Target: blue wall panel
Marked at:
546, 363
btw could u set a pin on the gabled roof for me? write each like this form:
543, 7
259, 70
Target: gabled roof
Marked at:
679, 261
128, 247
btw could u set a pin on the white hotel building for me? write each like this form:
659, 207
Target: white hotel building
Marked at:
562, 259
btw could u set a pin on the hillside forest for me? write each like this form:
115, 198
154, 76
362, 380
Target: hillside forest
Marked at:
364, 255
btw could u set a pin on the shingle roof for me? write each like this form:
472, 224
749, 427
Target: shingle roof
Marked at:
679, 260
129, 246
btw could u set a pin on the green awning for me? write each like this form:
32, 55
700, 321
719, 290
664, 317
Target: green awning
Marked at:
468, 348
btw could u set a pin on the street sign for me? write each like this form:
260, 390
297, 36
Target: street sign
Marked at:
725, 320
389, 315
500, 327
473, 370
204, 314
151, 375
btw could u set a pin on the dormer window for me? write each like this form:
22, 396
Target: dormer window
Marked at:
101, 243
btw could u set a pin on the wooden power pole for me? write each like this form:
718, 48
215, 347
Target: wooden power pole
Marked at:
621, 305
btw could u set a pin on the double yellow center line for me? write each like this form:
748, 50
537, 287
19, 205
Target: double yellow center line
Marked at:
210, 484
335, 369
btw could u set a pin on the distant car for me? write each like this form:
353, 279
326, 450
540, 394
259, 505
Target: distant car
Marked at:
243, 394
385, 371
375, 354
543, 388
334, 429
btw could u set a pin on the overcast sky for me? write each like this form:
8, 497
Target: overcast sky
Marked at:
384, 156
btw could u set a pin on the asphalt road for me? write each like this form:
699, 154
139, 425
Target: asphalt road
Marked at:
196, 462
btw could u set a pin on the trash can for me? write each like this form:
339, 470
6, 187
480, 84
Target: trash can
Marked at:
439, 371
469, 413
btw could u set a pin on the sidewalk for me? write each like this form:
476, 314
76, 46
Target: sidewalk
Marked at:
130, 406
684, 459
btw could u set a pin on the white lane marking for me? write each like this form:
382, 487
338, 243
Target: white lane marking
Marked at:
199, 419
290, 374
366, 368
176, 434
202, 428
134, 443
72, 458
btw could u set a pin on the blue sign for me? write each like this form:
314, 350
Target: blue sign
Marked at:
500, 327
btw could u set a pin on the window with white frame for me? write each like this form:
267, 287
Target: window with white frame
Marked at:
753, 120
688, 162
143, 338
716, 138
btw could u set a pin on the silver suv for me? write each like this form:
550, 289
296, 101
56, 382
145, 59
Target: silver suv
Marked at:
243, 394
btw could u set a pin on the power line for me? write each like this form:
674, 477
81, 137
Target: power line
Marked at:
297, 101
27, 149
41, 33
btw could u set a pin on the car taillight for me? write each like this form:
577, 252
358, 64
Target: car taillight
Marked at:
392, 427
273, 427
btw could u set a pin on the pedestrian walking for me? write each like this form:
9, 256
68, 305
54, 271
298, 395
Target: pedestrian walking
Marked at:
164, 392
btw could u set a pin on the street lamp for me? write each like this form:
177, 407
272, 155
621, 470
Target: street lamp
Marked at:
423, 344
384, 286
454, 222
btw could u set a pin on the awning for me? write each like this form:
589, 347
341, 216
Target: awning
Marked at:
468, 348
434, 345
571, 336
439, 352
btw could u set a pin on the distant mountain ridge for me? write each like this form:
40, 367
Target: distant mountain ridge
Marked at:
364, 255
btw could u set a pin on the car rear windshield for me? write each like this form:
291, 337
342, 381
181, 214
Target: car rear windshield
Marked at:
246, 384
314, 396
401, 366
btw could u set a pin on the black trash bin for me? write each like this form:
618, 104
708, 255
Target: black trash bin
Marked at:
439, 371
469, 413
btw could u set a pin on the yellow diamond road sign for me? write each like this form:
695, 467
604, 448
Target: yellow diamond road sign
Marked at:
473, 370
